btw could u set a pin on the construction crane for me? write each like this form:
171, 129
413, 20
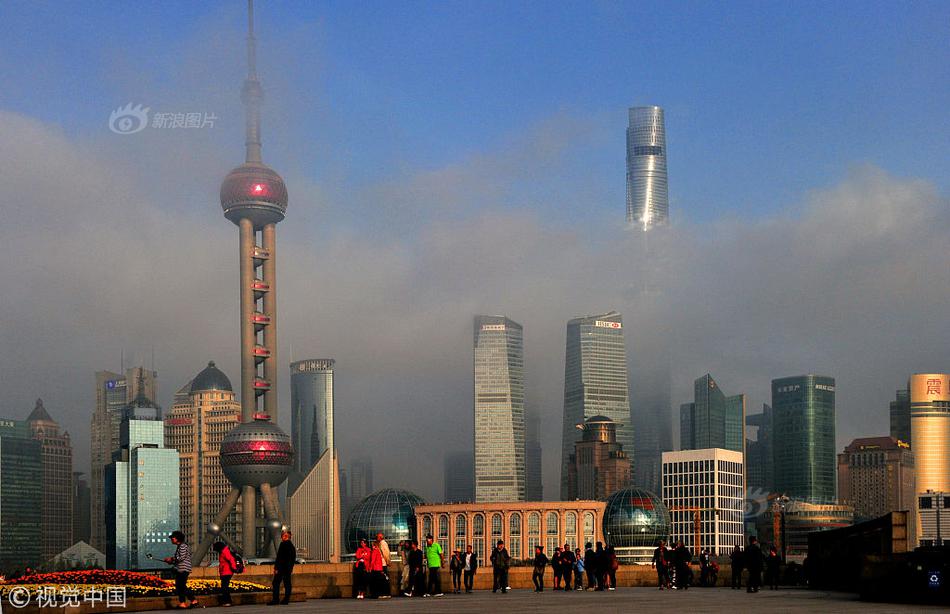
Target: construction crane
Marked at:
697, 523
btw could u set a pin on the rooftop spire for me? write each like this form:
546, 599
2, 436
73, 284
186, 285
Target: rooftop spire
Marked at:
251, 94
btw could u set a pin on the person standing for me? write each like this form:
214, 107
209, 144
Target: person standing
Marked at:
683, 558
772, 567
361, 568
737, 563
703, 567
499, 566
578, 570
567, 566
753, 562
455, 566
376, 571
181, 561
284, 568
469, 565
613, 564
435, 561
659, 563
540, 562
415, 561
590, 566
600, 568
405, 547
387, 557
227, 567
556, 568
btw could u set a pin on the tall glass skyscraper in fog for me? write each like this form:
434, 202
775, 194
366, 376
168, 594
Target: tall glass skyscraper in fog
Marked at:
311, 410
648, 202
712, 420
499, 410
595, 382
803, 437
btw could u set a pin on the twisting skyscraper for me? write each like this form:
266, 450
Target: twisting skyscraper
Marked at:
647, 199
499, 410
595, 382
256, 455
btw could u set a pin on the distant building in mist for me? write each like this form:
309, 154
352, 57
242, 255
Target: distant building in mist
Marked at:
21, 496
712, 420
533, 477
647, 198
81, 504
598, 467
459, 477
900, 417
311, 409
876, 476
499, 409
760, 474
57, 453
595, 382
803, 437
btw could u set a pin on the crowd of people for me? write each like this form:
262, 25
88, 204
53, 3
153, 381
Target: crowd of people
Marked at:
673, 569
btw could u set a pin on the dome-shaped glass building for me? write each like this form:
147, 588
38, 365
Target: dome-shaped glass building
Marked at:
389, 511
634, 522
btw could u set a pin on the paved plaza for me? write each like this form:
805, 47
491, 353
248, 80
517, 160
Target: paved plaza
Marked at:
624, 599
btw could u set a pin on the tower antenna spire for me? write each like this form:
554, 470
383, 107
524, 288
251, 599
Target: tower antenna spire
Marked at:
252, 93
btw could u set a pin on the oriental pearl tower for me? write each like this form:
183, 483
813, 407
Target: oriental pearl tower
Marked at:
256, 456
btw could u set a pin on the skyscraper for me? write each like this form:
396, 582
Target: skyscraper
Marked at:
930, 432
900, 417
534, 487
759, 468
599, 467
57, 456
114, 391
206, 410
803, 437
361, 477
21, 496
459, 477
712, 420
595, 382
142, 491
311, 409
254, 197
81, 504
647, 199
314, 504
499, 410
876, 476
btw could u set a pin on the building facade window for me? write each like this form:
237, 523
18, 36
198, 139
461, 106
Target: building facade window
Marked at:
570, 529
478, 537
551, 532
460, 532
534, 532
514, 536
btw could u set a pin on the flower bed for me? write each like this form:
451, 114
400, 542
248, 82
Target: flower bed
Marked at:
112, 577
99, 582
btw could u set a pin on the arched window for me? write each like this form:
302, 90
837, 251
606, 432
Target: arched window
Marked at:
514, 536
570, 529
588, 528
552, 532
495, 529
426, 527
460, 532
534, 532
478, 538
443, 537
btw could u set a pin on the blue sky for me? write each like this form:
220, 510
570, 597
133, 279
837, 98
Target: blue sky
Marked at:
764, 100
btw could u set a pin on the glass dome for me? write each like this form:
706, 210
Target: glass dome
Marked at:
389, 511
635, 518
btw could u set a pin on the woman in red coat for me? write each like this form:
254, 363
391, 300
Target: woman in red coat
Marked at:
376, 576
227, 566
361, 568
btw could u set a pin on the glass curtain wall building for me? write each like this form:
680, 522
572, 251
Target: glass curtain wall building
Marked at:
647, 198
21, 496
311, 408
595, 382
712, 420
499, 410
803, 437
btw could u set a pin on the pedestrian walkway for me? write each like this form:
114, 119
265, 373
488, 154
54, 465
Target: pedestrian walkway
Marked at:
624, 599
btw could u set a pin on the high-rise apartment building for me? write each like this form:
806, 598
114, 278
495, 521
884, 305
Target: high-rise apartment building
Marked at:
900, 417
205, 410
315, 502
533, 477
114, 391
876, 476
21, 496
712, 420
930, 434
142, 491
57, 453
499, 410
459, 477
803, 437
760, 474
704, 491
599, 466
647, 198
311, 410
595, 382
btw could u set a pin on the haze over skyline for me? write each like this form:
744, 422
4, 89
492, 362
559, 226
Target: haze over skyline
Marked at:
443, 161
